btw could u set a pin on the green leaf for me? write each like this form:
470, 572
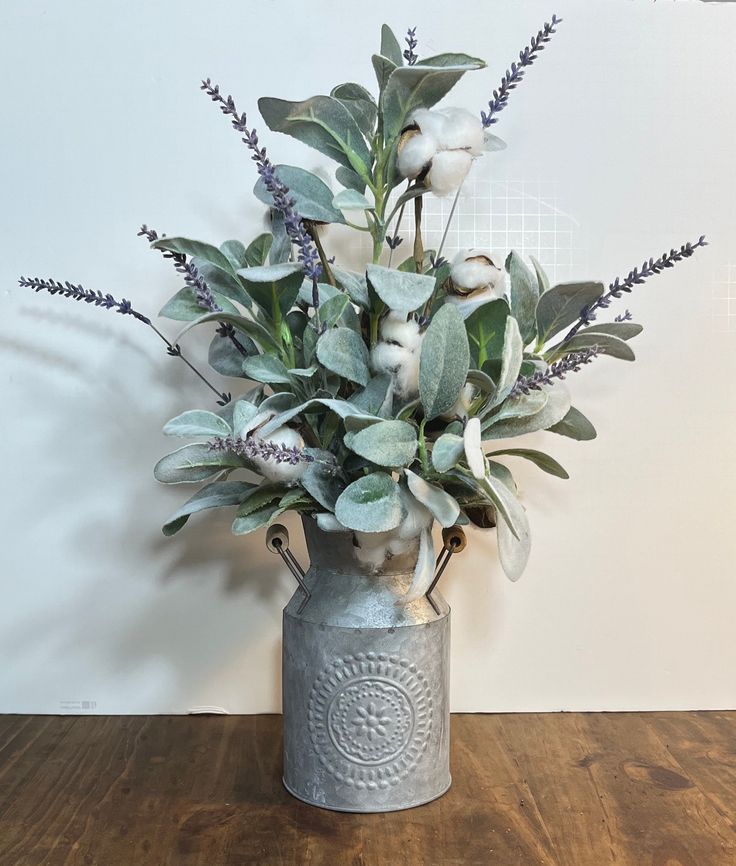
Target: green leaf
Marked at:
349, 179
401, 292
225, 358
383, 67
222, 283
514, 545
235, 253
622, 330
219, 494
513, 355
262, 495
266, 368
539, 458
341, 408
351, 199
194, 463
184, 307
337, 310
562, 305
197, 422
575, 426
343, 351
312, 197
241, 323
444, 507
444, 361
447, 452
257, 519
507, 506
390, 47
281, 246
257, 252
273, 287
386, 443
375, 398
323, 123
421, 86
607, 345
371, 504
320, 481
195, 249
243, 413
553, 411
524, 294
360, 104
424, 569
520, 406
542, 278
354, 284
486, 327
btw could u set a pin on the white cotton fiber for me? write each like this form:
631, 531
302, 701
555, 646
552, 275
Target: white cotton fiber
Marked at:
415, 154
449, 169
471, 269
395, 329
430, 123
461, 130
462, 404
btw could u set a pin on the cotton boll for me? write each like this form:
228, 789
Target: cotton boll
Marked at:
285, 471
461, 130
396, 329
415, 153
472, 270
449, 169
397, 546
406, 377
373, 555
430, 123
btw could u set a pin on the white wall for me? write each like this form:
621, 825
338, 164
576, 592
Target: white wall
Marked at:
626, 121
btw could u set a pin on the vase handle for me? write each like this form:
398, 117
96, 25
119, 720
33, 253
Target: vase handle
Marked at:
454, 542
277, 541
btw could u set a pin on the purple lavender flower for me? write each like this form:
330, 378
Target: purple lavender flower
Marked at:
250, 448
411, 40
282, 201
635, 277
514, 75
571, 363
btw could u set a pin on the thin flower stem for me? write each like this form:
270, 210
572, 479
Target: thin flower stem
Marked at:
77, 292
314, 234
418, 244
447, 224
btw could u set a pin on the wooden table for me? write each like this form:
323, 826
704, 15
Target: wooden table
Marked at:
631, 789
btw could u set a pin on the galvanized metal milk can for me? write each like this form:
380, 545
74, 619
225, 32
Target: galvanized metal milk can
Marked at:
365, 681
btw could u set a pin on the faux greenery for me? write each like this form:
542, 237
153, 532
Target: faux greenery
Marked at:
379, 392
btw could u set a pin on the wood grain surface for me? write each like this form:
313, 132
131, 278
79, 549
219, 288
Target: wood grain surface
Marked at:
562, 789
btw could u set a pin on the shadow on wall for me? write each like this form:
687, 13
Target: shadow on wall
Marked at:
131, 601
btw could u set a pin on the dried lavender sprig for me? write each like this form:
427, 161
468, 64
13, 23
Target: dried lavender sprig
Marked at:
570, 363
189, 270
98, 299
624, 317
635, 277
192, 277
514, 75
412, 41
393, 241
282, 201
250, 447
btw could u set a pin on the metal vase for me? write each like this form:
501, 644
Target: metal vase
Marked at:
365, 684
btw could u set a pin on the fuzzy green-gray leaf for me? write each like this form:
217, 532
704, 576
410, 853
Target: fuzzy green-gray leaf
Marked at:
486, 327
575, 426
444, 507
524, 294
400, 291
371, 504
219, 494
194, 463
360, 103
561, 305
538, 458
444, 361
312, 197
343, 351
266, 368
197, 422
386, 443
447, 452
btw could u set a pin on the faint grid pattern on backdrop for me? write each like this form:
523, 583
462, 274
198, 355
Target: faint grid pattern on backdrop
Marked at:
498, 216
724, 299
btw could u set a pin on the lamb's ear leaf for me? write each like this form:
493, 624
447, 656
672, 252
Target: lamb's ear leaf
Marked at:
538, 458
575, 426
184, 307
320, 481
390, 47
424, 569
267, 369
219, 494
371, 504
400, 291
561, 305
195, 463
197, 423
385, 443
553, 411
605, 343
273, 287
257, 251
486, 327
312, 197
343, 352
444, 361
361, 104
514, 545
226, 359
447, 452
323, 123
524, 294
444, 507
511, 359
195, 249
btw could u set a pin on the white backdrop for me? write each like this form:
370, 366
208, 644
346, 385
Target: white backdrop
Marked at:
623, 131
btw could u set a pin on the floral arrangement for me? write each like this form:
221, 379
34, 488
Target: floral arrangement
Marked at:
378, 393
